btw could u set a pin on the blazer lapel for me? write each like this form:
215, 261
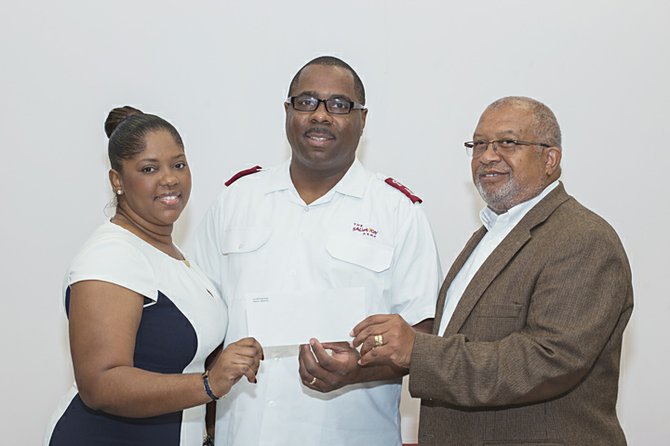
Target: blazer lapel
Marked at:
499, 258
489, 270
453, 271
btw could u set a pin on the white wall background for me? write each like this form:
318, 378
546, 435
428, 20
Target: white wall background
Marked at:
220, 71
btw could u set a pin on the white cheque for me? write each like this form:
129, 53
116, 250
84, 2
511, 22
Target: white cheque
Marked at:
291, 318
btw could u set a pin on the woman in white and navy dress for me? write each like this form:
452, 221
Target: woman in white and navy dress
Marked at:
142, 318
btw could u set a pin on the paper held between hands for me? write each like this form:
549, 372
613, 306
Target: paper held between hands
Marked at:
292, 318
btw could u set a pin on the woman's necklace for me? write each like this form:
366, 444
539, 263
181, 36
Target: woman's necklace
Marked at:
147, 237
168, 248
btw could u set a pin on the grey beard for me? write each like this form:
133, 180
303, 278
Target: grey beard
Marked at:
506, 197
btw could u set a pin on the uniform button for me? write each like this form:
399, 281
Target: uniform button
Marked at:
306, 208
271, 404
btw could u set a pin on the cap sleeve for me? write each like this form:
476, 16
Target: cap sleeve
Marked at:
114, 260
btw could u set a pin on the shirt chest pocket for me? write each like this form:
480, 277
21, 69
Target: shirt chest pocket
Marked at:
369, 254
244, 240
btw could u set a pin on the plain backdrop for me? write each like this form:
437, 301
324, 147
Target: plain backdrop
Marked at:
219, 70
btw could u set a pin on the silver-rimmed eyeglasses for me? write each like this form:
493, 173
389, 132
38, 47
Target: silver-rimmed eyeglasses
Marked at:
335, 105
503, 147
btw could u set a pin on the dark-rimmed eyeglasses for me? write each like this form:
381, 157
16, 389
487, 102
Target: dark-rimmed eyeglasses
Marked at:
334, 106
503, 147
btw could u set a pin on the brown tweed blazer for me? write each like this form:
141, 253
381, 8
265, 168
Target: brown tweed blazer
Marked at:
531, 354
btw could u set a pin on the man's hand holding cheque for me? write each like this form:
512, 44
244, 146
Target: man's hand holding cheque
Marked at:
386, 339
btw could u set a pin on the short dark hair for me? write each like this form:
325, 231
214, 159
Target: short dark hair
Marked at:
126, 127
332, 62
545, 124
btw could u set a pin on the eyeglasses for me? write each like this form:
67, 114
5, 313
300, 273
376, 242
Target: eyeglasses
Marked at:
334, 106
503, 147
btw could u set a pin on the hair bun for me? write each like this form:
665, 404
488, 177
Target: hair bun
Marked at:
117, 116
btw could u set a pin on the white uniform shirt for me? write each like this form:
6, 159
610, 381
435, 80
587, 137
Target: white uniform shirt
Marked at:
498, 227
260, 236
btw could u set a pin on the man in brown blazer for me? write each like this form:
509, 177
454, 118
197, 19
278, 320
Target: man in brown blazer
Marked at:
526, 343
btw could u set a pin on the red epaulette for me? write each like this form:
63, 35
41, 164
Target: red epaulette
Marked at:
243, 173
404, 189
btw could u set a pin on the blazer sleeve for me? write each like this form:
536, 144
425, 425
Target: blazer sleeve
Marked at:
581, 293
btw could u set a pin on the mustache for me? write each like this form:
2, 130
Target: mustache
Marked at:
320, 131
483, 170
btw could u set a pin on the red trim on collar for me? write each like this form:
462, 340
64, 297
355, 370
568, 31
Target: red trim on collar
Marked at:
243, 173
404, 189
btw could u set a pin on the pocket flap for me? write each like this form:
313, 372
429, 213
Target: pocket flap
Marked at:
369, 254
241, 240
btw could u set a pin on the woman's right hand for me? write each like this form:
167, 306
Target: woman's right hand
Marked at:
241, 358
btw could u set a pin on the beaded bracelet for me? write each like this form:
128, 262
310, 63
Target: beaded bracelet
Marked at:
205, 380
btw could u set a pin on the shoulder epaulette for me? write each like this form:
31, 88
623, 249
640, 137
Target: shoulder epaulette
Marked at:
404, 189
243, 173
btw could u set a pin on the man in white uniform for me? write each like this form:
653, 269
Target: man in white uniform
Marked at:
319, 223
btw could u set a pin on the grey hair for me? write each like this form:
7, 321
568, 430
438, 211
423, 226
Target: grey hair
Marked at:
545, 124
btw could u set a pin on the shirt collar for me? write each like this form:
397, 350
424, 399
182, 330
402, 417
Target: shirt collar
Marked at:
279, 178
515, 214
353, 182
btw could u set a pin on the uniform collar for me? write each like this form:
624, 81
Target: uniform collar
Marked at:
279, 178
353, 183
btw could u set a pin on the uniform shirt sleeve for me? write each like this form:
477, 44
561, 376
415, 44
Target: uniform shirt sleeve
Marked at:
205, 245
416, 269
114, 260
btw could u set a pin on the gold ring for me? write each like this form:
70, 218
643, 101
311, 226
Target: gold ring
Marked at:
379, 340
311, 383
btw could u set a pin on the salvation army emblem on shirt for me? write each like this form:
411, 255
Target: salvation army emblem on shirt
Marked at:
365, 230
